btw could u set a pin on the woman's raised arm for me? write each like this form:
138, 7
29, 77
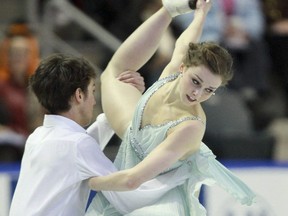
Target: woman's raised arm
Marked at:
191, 34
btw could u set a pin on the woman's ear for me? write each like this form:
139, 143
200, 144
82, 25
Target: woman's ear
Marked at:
181, 68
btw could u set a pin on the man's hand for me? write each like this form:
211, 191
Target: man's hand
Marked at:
133, 78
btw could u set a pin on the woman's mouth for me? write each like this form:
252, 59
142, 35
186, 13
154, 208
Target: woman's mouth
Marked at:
190, 99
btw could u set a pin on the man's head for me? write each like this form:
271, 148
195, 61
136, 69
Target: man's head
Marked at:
62, 81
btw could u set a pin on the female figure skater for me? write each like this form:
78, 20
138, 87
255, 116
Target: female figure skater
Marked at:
162, 130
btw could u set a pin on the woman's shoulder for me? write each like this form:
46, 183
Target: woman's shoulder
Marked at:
191, 123
200, 113
195, 113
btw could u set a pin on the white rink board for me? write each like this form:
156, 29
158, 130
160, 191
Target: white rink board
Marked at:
5, 194
270, 183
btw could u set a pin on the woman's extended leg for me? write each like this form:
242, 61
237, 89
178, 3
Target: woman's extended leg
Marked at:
119, 99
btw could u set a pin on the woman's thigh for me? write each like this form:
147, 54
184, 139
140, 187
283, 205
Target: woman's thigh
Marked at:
119, 101
171, 204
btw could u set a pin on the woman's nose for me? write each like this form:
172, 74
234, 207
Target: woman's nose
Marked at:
197, 93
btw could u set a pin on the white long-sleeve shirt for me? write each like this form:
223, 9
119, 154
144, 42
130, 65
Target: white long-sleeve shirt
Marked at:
58, 160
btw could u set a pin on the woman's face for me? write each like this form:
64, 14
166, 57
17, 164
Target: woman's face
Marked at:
19, 57
197, 84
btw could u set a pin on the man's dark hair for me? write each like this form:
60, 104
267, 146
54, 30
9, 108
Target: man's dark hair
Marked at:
57, 78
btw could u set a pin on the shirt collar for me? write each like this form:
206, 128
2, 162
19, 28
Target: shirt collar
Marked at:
61, 121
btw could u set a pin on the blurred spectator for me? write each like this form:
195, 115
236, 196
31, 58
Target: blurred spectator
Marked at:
276, 14
19, 58
18, 28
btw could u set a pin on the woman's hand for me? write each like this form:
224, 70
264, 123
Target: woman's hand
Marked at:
203, 7
133, 78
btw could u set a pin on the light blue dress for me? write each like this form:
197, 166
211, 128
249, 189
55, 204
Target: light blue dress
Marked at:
202, 168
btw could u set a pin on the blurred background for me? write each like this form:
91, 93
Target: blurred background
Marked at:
247, 120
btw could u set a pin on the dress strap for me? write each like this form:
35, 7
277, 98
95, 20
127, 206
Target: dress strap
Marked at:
137, 120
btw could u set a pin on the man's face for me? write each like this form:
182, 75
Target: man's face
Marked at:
88, 104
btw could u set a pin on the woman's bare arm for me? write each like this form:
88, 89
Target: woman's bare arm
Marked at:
191, 34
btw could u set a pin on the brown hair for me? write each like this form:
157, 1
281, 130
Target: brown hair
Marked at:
57, 78
214, 57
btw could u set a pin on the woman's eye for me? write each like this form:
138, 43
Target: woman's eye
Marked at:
209, 91
195, 82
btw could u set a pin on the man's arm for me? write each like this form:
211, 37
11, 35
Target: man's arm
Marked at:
101, 131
